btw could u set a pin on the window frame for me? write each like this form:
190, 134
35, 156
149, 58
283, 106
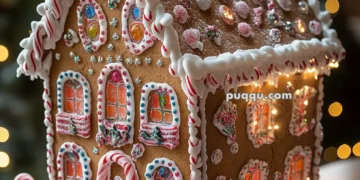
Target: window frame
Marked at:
298, 151
162, 162
260, 166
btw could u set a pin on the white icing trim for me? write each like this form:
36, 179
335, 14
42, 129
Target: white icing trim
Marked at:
162, 162
305, 153
203, 137
262, 166
100, 17
296, 128
23, 176
319, 135
147, 41
170, 133
120, 158
82, 121
83, 159
126, 128
251, 118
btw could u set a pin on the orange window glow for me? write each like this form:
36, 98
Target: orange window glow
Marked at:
73, 97
115, 98
160, 107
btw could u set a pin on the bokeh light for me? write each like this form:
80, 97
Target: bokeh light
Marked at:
356, 149
344, 151
4, 134
4, 160
330, 154
4, 53
332, 6
335, 109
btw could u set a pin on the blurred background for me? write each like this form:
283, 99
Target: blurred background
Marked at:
22, 132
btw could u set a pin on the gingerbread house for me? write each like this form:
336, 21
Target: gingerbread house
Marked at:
181, 89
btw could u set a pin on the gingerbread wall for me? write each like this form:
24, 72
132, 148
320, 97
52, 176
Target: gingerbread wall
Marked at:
147, 73
275, 153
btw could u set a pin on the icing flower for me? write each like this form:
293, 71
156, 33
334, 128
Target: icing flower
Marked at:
192, 38
258, 16
270, 4
181, 13
315, 27
244, 29
203, 4
275, 35
241, 9
286, 5
257, 1
227, 15
213, 33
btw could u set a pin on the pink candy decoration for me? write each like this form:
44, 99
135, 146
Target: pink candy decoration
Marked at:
241, 9
258, 16
181, 13
192, 38
270, 4
116, 77
244, 29
315, 27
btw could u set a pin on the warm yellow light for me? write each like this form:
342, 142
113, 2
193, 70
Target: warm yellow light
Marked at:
356, 149
274, 111
335, 109
344, 151
306, 102
330, 154
280, 73
301, 26
4, 160
289, 83
287, 75
297, 92
270, 128
4, 134
332, 6
311, 70
4, 53
255, 122
276, 127
308, 178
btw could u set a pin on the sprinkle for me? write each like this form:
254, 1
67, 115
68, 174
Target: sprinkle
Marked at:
58, 56
110, 47
137, 61
148, 60
95, 150
109, 59
159, 63
137, 80
234, 148
77, 59
112, 4
128, 60
118, 58
113, 22
88, 48
116, 36
93, 59
100, 59
72, 54
91, 71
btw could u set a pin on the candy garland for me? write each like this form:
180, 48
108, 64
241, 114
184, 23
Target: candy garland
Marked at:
168, 134
252, 166
303, 153
116, 133
82, 122
23, 176
70, 147
120, 158
92, 35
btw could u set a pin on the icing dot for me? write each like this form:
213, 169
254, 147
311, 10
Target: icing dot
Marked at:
89, 11
234, 148
137, 31
148, 175
151, 167
156, 161
116, 77
176, 119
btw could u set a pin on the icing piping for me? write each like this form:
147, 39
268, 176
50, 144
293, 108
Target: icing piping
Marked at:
162, 162
169, 133
125, 129
120, 158
261, 166
83, 159
304, 153
82, 122
91, 45
23, 176
203, 137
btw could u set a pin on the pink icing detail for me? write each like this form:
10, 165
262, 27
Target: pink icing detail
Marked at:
181, 13
244, 29
116, 77
191, 37
258, 16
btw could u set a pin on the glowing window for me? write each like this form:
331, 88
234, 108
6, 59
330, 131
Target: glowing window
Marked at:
116, 106
73, 168
160, 107
73, 97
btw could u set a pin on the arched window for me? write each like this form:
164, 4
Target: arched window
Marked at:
74, 104
261, 116
162, 169
159, 115
73, 162
298, 163
115, 106
299, 124
254, 170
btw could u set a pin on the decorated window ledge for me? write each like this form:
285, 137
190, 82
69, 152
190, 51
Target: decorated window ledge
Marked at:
115, 106
224, 120
261, 125
298, 163
92, 25
162, 169
74, 104
159, 115
73, 162
299, 124
120, 158
254, 169
137, 38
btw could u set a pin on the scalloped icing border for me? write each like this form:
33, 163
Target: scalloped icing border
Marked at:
129, 123
83, 158
85, 40
162, 162
304, 152
174, 127
260, 165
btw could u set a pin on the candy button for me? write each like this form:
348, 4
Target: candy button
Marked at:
137, 32
89, 11
93, 30
135, 12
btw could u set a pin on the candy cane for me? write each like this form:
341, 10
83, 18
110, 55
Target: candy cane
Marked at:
23, 176
119, 157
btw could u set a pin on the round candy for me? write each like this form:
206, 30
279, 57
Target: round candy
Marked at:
116, 77
93, 30
137, 31
234, 148
89, 11
135, 12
